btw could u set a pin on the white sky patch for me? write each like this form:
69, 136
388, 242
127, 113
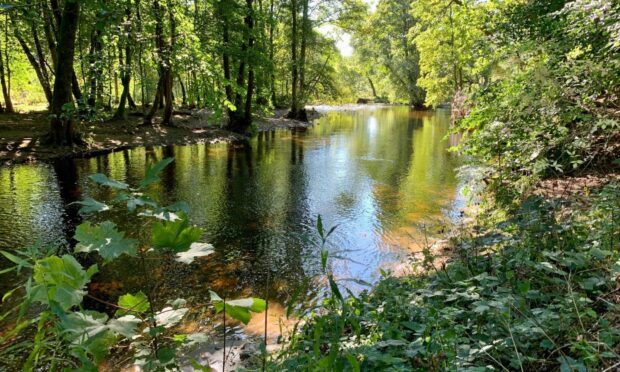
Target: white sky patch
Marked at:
342, 39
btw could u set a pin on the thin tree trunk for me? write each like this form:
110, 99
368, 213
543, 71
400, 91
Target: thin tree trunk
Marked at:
183, 93
372, 86
168, 95
125, 68
95, 70
5, 87
295, 76
63, 127
271, 53
45, 84
302, 61
250, 87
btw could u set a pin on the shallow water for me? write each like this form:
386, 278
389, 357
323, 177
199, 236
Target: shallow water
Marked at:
383, 175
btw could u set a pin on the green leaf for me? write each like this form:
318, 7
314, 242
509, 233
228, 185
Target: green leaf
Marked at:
105, 239
166, 355
238, 309
195, 250
319, 226
103, 180
131, 304
20, 262
169, 316
85, 325
175, 235
61, 280
90, 205
355, 364
324, 256
126, 325
152, 173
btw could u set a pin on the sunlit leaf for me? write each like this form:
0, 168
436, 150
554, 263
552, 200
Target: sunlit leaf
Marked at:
152, 173
175, 235
195, 250
169, 316
60, 279
105, 239
90, 205
132, 304
103, 180
238, 309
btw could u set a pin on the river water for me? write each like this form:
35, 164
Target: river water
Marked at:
382, 174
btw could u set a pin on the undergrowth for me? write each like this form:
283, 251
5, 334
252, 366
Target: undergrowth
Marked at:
537, 290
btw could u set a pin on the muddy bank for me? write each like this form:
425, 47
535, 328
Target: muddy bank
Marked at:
21, 135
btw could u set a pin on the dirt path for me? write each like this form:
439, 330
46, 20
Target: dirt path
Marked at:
21, 134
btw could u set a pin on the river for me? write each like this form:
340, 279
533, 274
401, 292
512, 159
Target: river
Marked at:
383, 175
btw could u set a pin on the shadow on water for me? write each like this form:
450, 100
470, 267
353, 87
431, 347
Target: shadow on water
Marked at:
377, 173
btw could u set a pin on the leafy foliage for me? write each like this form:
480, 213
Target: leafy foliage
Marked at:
105, 239
527, 293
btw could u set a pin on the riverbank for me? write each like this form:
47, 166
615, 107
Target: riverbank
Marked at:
21, 134
529, 288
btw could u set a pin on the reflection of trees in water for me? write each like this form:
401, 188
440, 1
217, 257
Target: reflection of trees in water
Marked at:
67, 176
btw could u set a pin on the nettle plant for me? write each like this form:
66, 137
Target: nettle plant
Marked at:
70, 337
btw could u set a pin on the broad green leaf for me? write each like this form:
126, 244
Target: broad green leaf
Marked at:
175, 235
105, 239
152, 173
166, 355
169, 316
82, 326
131, 304
103, 180
61, 280
139, 200
90, 205
195, 250
238, 309
126, 325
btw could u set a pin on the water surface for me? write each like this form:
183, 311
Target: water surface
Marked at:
378, 173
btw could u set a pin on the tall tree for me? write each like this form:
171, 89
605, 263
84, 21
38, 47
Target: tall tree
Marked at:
63, 129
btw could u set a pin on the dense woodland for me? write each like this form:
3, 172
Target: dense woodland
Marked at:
531, 283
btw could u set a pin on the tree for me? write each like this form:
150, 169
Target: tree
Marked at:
63, 127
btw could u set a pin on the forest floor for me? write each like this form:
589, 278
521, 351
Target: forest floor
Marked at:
22, 135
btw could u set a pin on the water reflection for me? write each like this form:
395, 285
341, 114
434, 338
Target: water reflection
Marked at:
376, 173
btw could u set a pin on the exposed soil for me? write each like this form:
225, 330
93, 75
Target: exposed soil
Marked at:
22, 135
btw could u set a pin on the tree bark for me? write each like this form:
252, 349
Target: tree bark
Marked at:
63, 129
294, 73
8, 104
125, 68
271, 53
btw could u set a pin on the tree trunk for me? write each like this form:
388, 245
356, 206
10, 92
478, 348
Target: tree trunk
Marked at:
63, 129
271, 53
95, 70
250, 89
8, 104
372, 86
295, 76
305, 28
125, 68
168, 78
45, 84
148, 117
